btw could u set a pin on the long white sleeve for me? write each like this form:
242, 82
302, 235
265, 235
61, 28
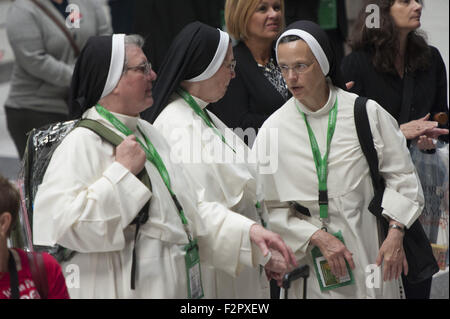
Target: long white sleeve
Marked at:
403, 197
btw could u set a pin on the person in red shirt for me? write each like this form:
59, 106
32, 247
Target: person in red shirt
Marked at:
24, 275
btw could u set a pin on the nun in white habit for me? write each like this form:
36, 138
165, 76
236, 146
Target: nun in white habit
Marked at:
196, 72
305, 125
90, 194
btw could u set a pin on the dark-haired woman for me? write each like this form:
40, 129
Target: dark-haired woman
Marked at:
393, 65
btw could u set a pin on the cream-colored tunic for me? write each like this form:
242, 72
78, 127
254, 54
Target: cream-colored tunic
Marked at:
292, 177
87, 201
228, 179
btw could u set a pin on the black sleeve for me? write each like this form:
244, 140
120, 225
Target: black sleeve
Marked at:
233, 109
352, 70
440, 104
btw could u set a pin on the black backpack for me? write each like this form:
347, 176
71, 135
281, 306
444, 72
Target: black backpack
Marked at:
421, 261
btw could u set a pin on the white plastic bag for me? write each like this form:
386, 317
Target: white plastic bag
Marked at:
433, 172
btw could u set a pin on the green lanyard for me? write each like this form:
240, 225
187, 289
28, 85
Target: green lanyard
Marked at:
151, 155
204, 115
322, 162
200, 112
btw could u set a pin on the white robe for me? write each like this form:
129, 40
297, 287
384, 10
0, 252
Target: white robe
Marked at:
293, 178
228, 179
87, 201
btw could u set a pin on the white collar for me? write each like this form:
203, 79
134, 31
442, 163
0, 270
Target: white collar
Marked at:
130, 121
324, 109
200, 102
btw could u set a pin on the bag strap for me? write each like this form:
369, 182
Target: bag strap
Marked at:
366, 140
38, 273
101, 130
367, 146
60, 25
114, 139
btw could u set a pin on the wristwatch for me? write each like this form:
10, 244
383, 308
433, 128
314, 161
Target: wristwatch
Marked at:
395, 226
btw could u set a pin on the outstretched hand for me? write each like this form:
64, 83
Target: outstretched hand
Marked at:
420, 127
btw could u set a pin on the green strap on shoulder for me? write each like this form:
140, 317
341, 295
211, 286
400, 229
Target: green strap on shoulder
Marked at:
115, 139
101, 130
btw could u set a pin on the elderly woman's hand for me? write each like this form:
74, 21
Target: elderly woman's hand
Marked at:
265, 240
393, 255
276, 267
334, 252
276, 263
130, 154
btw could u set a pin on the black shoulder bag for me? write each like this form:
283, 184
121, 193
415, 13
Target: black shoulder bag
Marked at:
421, 262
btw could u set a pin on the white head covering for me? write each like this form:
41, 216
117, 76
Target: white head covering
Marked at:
116, 64
217, 60
315, 47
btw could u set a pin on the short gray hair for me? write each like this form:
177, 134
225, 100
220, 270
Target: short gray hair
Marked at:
132, 40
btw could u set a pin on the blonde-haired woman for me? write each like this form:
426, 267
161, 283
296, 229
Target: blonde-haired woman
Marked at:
258, 89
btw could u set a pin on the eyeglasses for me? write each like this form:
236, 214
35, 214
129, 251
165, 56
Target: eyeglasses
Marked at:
298, 68
145, 68
231, 65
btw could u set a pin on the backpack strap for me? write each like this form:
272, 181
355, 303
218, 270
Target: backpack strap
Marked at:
101, 130
114, 139
38, 273
142, 216
366, 141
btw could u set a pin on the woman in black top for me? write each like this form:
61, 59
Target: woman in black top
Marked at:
258, 89
392, 64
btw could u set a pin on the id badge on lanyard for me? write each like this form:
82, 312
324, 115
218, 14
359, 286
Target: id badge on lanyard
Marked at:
193, 271
327, 280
